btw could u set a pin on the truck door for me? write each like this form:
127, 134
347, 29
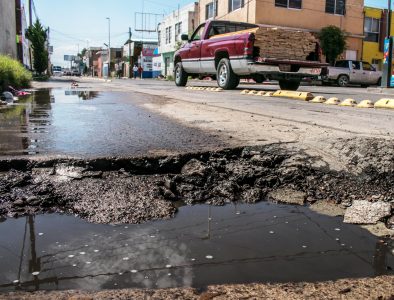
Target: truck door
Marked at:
356, 74
192, 63
369, 73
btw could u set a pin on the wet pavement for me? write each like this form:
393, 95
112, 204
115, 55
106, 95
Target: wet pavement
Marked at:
202, 245
88, 123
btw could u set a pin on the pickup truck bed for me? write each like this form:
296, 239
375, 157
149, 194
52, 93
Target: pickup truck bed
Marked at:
230, 56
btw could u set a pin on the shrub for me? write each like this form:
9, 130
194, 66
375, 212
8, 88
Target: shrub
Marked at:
13, 73
333, 42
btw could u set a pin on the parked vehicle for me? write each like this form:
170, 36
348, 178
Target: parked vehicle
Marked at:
347, 72
226, 50
67, 72
57, 71
75, 72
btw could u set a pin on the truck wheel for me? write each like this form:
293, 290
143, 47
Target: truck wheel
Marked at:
379, 83
180, 75
290, 85
343, 80
226, 78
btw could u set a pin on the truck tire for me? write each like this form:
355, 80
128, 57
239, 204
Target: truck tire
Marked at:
226, 78
180, 75
379, 83
343, 80
290, 85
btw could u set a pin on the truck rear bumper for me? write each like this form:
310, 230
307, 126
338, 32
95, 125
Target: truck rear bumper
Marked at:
278, 71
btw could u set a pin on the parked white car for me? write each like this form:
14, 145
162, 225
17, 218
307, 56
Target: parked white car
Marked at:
57, 71
347, 72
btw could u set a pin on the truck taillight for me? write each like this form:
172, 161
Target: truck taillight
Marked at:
249, 44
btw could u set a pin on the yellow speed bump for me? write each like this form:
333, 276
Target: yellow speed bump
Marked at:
385, 103
261, 93
268, 94
318, 99
245, 92
365, 104
294, 95
217, 89
252, 92
348, 102
332, 101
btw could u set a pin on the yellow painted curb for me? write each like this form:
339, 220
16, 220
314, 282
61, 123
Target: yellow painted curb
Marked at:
261, 93
252, 92
294, 95
332, 101
348, 102
385, 103
268, 94
365, 104
318, 99
217, 89
245, 92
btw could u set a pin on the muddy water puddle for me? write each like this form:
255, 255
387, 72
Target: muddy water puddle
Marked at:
203, 245
88, 123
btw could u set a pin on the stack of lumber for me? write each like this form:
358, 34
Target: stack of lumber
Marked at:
284, 43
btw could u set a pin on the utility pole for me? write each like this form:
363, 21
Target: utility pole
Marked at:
388, 52
109, 46
129, 52
30, 13
30, 24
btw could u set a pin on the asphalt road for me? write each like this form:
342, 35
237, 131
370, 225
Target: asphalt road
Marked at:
375, 122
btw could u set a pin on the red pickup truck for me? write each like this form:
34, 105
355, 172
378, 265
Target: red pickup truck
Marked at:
226, 50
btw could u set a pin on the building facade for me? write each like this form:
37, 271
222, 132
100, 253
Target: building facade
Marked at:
181, 21
311, 15
8, 28
375, 31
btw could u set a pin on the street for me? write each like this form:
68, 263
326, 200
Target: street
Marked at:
174, 175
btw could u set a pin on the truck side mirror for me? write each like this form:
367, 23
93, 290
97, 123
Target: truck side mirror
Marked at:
185, 37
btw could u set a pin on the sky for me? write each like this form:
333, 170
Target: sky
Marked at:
76, 24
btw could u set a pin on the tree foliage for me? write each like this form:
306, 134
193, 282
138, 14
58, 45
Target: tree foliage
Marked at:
332, 42
38, 36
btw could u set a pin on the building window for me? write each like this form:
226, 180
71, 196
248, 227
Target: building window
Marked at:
297, 4
211, 10
169, 34
371, 29
337, 7
178, 30
159, 38
235, 4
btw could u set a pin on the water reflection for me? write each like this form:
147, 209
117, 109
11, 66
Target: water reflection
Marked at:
84, 95
27, 127
203, 245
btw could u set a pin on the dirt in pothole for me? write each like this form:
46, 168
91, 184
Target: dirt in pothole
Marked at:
134, 190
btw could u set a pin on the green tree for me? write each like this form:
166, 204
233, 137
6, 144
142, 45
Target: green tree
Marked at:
38, 36
332, 42
83, 52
